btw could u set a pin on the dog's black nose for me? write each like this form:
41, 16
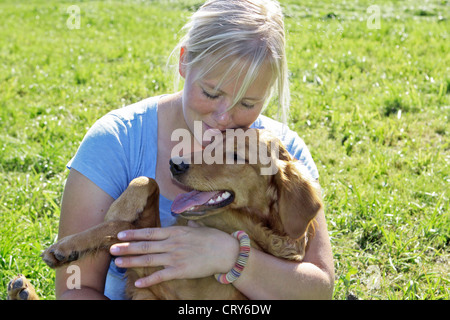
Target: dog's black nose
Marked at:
178, 166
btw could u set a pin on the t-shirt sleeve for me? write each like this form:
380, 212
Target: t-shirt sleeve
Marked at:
102, 155
292, 142
298, 149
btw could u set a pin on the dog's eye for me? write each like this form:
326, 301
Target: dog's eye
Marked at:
238, 159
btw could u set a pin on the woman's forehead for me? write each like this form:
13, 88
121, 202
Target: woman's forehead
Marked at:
226, 74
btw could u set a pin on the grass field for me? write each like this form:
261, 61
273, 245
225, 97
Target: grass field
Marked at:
370, 96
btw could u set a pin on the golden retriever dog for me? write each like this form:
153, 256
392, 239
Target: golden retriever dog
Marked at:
276, 210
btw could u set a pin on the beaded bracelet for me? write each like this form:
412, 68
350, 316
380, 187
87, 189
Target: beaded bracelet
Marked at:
244, 251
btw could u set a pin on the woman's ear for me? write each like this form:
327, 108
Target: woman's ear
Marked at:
182, 63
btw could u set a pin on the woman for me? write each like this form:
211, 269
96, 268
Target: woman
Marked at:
232, 59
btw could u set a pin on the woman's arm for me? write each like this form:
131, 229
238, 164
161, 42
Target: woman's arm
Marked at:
313, 278
84, 205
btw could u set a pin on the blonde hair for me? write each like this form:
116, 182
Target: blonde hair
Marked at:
243, 35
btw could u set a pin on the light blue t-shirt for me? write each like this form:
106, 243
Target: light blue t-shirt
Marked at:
122, 145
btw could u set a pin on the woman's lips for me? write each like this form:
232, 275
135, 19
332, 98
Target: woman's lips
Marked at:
208, 127
208, 133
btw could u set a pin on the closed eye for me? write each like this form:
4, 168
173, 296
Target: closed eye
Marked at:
209, 96
247, 105
213, 97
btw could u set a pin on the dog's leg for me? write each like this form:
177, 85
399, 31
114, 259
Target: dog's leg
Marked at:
139, 202
137, 207
20, 288
74, 247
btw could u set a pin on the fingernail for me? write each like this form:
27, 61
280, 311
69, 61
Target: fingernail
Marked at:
121, 235
114, 249
138, 283
118, 262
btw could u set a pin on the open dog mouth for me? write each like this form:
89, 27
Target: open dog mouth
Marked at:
197, 203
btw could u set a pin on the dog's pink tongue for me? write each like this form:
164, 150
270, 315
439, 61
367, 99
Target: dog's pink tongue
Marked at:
185, 201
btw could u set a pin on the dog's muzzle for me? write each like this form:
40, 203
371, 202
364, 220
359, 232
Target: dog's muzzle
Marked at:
178, 166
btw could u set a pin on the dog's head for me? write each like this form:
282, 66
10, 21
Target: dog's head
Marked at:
251, 172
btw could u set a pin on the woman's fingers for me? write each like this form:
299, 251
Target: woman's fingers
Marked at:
138, 248
157, 277
144, 234
142, 241
146, 260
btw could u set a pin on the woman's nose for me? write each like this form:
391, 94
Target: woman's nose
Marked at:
222, 115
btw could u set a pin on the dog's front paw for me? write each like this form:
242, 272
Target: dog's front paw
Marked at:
59, 254
20, 288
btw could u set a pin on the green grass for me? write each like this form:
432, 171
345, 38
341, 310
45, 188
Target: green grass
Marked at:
373, 105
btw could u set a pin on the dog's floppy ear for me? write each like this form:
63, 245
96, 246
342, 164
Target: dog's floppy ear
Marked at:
299, 200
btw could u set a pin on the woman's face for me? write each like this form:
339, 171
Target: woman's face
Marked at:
210, 107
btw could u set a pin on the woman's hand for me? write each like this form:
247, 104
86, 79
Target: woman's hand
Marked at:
184, 252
